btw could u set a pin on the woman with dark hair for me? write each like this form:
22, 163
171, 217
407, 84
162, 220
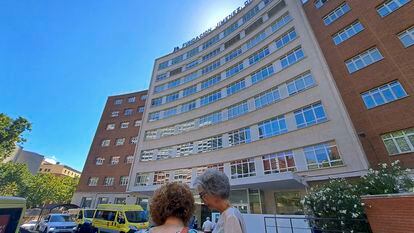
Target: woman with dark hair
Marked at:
171, 208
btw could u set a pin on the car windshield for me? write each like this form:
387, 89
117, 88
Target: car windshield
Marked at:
61, 218
89, 213
136, 216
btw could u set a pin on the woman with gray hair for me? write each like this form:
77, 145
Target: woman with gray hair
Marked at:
214, 189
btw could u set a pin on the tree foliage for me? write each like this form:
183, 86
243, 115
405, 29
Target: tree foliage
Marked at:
39, 189
11, 133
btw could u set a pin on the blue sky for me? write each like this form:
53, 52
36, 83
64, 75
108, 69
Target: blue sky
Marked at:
59, 60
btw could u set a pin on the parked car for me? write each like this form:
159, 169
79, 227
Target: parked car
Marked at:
57, 223
30, 225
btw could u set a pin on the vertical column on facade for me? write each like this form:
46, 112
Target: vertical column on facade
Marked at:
290, 121
254, 132
251, 105
193, 176
259, 166
300, 160
225, 140
227, 169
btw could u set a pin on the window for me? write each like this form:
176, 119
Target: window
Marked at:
161, 77
129, 159
278, 162
236, 87
120, 200
211, 54
262, 74
407, 37
190, 77
258, 55
253, 26
172, 97
123, 181
188, 106
192, 52
147, 155
189, 91
399, 142
310, 115
251, 13
128, 112
277, 8
144, 97
163, 65
115, 114
168, 131
177, 59
283, 40
134, 140
160, 88
282, 21
390, 6
234, 70
336, 13
232, 41
93, 181
322, 155
154, 116
239, 136
211, 42
170, 112
110, 126
210, 119
210, 144
102, 200
320, 3
291, 58
185, 149
109, 181
384, 94
186, 126
105, 142
363, 59
267, 98
207, 69
191, 64
165, 153
210, 82
156, 102
131, 99
233, 54
124, 125
114, 160
237, 110
120, 141
242, 168
152, 134
255, 40
142, 179
210, 98
231, 29
160, 178
299, 84
137, 123
118, 101
99, 161
347, 33
183, 176
272, 127
173, 83
218, 167
86, 202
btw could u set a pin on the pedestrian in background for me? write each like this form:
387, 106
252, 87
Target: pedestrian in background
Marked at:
208, 226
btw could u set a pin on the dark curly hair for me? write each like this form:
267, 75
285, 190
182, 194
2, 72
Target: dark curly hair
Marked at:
172, 199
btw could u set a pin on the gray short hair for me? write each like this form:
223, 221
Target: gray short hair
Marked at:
214, 182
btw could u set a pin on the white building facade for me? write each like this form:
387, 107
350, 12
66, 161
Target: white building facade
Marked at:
254, 99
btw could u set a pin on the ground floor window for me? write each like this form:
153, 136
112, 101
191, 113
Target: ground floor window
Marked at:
399, 142
103, 200
143, 202
120, 200
86, 202
288, 202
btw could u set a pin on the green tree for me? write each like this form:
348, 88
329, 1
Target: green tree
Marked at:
10, 133
14, 179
